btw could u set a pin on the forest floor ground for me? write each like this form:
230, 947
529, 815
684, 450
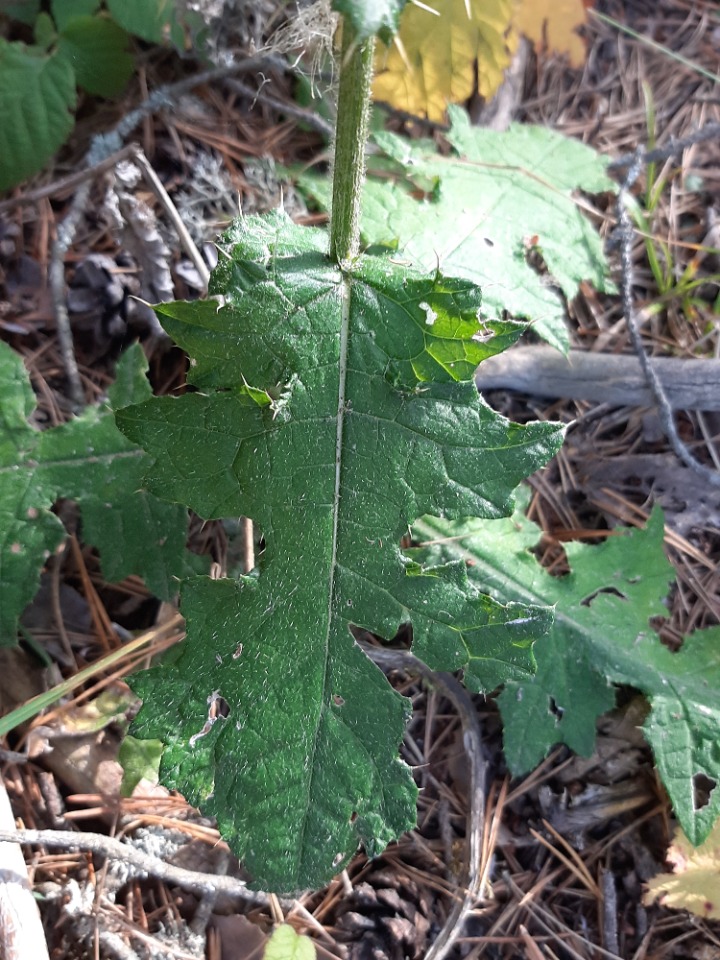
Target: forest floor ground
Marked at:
552, 890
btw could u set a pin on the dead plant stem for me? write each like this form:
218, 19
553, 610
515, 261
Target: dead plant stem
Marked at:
625, 233
710, 131
471, 884
163, 196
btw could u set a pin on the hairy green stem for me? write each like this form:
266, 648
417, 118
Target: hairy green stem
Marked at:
356, 69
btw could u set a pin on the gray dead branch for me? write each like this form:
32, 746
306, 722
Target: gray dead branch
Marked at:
602, 377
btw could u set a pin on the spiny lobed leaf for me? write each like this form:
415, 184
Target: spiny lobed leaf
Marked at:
87, 459
499, 196
601, 636
328, 410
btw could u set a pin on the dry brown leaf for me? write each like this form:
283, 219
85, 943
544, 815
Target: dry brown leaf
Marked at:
552, 24
695, 883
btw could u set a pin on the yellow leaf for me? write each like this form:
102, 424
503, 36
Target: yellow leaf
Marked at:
433, 61
553, 24
695, 883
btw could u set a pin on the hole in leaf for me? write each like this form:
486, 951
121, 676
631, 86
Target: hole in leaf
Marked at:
555, 709
551, 555
237, 652
703, 787
587, 601
338, 700
353, 816
337, 859
219, 707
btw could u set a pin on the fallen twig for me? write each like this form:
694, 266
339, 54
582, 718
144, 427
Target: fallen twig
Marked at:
555, 929
310, 117
611, 378
60, 246
57, 188
171, 210
143, 863
471, 884
625, 233
674, 147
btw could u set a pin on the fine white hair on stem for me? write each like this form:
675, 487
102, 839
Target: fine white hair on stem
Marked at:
310, 32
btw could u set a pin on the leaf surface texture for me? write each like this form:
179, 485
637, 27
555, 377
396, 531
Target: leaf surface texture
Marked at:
333, 409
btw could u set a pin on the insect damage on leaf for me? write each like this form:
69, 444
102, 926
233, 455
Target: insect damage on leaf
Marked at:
382, 424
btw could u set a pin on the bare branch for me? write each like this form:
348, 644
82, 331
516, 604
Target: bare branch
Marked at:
710, 131
471, 883
624, 232
143, 863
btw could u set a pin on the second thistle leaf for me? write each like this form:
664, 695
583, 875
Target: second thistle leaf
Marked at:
602, 608
484, 208
90, 461
601, 636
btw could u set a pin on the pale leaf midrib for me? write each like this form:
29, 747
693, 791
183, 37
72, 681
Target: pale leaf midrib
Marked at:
345, 288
